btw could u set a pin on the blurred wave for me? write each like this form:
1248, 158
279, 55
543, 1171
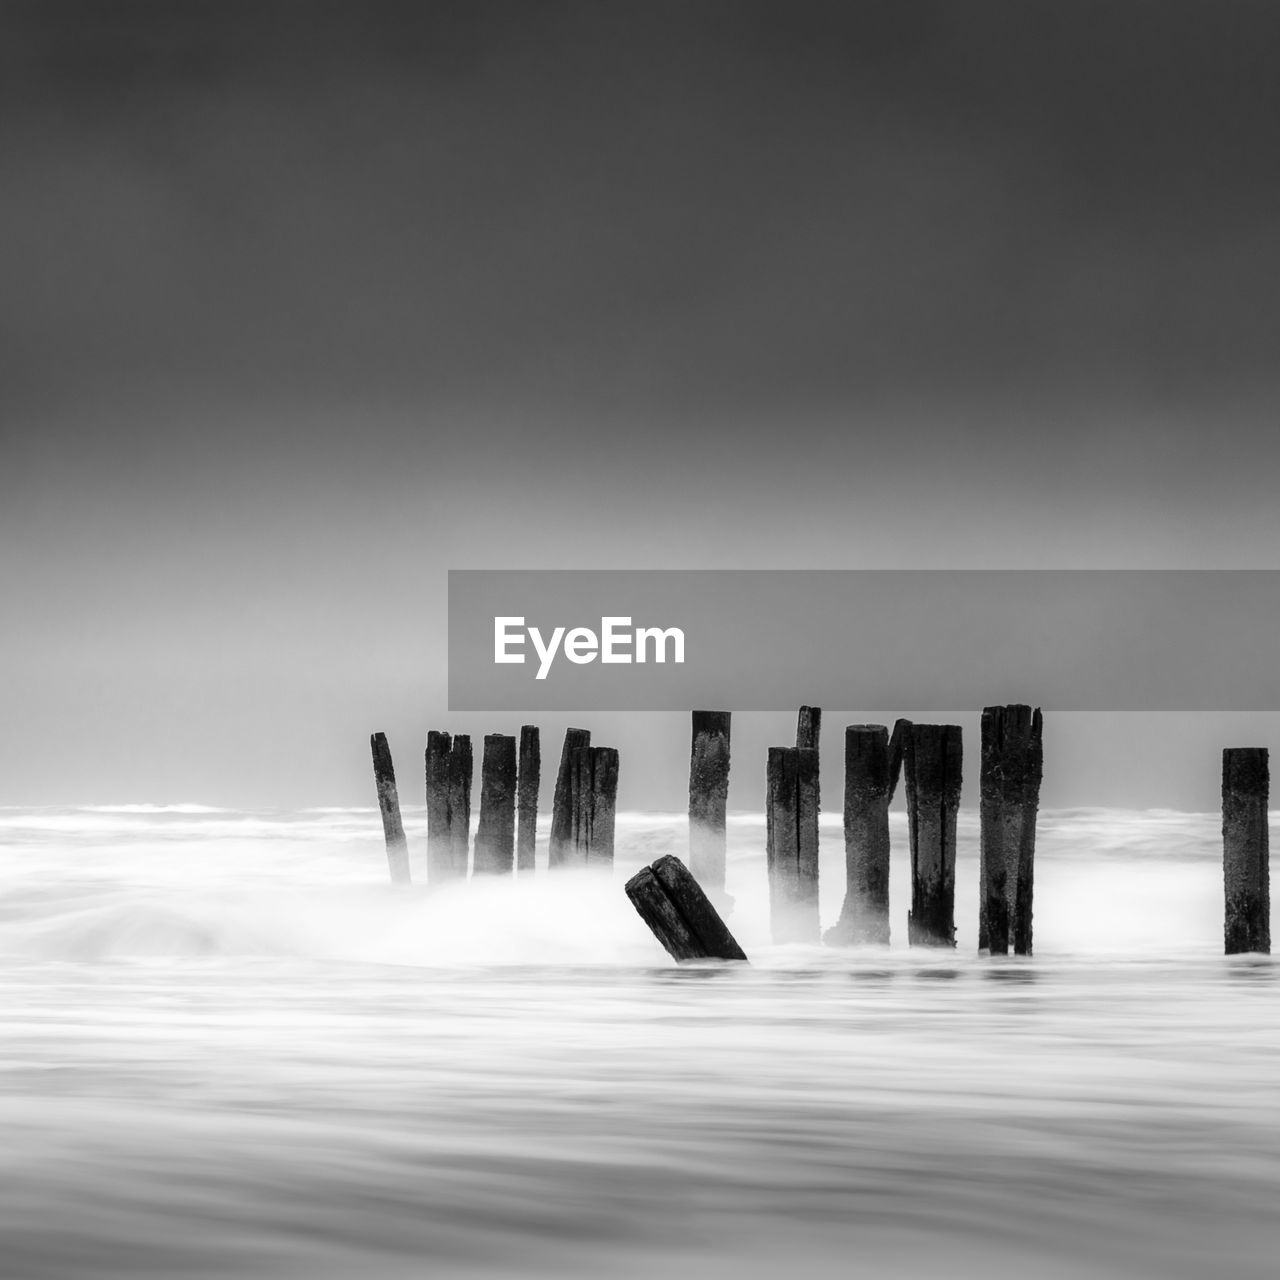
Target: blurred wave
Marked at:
120, 880
233, 1049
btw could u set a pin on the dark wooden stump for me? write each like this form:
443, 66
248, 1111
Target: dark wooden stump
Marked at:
560, 850
593, 773
439, 837
460, 773
1011, 770
932, 768
496, 833
672, 903
1246, 869
384, 776
527, 793
791, 848
708, 799
865, 915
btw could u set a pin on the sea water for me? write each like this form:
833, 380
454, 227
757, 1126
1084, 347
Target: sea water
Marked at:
231, 1048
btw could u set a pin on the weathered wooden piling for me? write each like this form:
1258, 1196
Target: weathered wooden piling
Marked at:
808, 734
439, 837
496, 832
530, 776
809, 727
384, 776
460, 773
708, 798
593, 773
864, 917
1009, 797
791, 843
932, 768
1246, 870
675, 907
561, 843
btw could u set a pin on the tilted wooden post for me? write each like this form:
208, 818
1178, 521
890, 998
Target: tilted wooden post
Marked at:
672, 903
527, 793
708, 798
865, 915
560, 851
593, 775
1246, 872
496, 833
932, 768
384, 776
1011, 770
791, 848
439, 838
460, 772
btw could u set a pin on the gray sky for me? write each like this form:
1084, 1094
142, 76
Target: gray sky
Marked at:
303, 305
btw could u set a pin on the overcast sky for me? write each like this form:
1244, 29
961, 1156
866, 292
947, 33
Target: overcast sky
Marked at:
302, 305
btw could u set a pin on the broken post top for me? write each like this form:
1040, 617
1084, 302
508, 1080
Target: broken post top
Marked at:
709, 765
1015, 728
381, 756
711, 722
808, 727
460, 760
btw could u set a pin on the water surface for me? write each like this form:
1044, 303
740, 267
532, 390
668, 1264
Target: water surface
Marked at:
232, 1050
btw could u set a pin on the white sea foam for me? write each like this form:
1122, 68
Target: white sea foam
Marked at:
233, 1049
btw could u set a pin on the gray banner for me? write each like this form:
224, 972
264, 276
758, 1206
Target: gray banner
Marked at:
901, 640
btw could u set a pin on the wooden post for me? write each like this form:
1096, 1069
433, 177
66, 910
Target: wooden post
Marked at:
560, 851
384, 776
1027, 797
708, 796
672, 903
593, 773
439, 850
496, 834
460, 771
791, 848
527, 792
1245, 850
932, 768
604, 805
1011, 770
809, 727
865, 915
808, 733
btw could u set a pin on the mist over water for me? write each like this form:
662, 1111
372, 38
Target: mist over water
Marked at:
234, 1050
